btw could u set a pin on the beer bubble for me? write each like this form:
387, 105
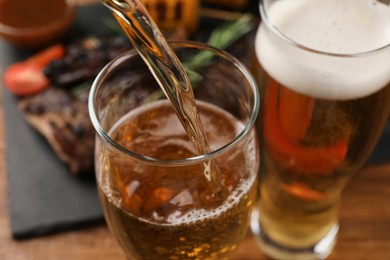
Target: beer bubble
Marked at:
201, 214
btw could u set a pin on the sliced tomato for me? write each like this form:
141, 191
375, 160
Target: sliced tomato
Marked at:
25, 78
43, 58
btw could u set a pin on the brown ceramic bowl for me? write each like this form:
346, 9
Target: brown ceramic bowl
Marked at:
39, 36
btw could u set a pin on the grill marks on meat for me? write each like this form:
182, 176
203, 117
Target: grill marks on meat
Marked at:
84, 59
63, 119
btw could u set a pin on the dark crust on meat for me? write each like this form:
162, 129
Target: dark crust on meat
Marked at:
63, 120
84, 59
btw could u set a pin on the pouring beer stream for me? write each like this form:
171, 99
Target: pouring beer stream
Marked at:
168, 71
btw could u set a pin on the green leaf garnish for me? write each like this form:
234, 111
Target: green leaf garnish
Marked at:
220, 38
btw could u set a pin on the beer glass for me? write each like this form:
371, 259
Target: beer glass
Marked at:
323, 67
156, 198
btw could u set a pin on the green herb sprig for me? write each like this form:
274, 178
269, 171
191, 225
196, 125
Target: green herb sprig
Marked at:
221, 38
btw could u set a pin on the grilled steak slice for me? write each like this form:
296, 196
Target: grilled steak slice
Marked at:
62, 118
84, 59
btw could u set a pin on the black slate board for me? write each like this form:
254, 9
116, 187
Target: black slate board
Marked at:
42, 195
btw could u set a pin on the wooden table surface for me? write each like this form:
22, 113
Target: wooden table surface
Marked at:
364, 219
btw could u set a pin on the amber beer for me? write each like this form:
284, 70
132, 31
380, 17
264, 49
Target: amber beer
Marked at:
172, 212
162, 196
324, 75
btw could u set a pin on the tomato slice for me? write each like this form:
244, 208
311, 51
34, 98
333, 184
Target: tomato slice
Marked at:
25, 78
43, 58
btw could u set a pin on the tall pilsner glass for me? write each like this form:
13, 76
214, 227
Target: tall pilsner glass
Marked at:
323, 67
156, 197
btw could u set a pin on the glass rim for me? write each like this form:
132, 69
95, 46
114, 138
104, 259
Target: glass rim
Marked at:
186, 161
281, 35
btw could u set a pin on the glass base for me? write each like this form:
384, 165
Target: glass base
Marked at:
280, 252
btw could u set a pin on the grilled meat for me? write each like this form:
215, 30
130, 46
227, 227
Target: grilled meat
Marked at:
62, 118
84, 59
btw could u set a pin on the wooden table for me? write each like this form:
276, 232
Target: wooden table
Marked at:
364, 234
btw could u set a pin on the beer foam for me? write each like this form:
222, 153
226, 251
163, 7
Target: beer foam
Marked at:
198, 215
331, 26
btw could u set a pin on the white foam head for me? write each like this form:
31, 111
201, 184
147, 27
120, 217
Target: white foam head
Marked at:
333, 26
